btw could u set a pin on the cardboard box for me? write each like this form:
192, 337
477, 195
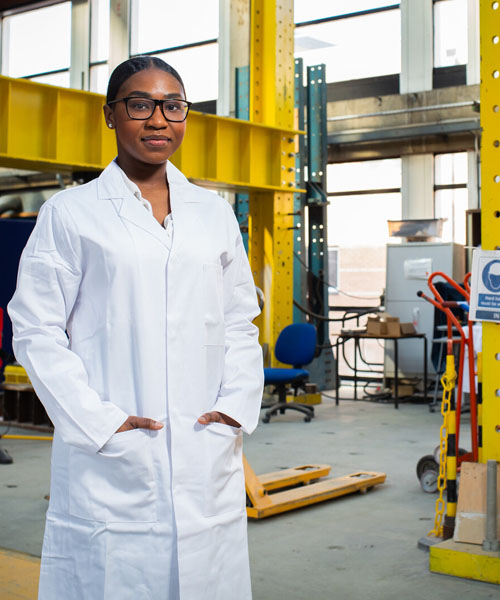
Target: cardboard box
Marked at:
404, 390
407, 329
383, 325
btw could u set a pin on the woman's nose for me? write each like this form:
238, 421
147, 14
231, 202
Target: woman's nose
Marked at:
157, 119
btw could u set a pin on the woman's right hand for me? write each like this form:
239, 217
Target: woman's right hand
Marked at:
134, 422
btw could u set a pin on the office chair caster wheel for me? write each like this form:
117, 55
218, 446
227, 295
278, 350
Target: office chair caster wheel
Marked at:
266, 419
307, 419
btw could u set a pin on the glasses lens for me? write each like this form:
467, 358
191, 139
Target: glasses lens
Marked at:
175, 110
140, 108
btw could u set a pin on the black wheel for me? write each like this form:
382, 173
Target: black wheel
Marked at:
428, 473
266, 419
307, 419
425, 461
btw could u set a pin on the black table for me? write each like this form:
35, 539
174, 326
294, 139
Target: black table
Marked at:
343, 337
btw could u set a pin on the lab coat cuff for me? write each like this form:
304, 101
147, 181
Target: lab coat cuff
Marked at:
227, 407
114, 422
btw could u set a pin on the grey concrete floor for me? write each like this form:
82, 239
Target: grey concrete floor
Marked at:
356, 547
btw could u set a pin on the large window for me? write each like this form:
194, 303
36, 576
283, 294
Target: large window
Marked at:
450, 33
168, 30
160, 25
198, 67
363, 197
353, 47
37, 44
450, 194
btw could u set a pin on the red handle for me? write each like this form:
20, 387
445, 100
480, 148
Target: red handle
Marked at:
453, 283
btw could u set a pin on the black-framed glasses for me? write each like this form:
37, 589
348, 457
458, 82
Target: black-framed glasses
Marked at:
142, 109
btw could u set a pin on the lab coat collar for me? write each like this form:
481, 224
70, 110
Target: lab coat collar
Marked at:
111, 186
110, 183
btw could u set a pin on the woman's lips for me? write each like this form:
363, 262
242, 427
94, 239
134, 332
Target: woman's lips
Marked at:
157, 141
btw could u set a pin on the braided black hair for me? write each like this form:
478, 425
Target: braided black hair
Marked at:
134, 65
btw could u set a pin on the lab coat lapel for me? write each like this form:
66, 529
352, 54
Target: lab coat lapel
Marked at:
183, 200
112, 187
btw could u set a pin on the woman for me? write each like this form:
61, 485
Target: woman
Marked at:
133, 318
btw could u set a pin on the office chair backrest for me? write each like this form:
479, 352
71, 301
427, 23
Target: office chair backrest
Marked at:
296, 344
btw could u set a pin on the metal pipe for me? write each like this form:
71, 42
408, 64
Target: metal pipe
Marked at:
490, 543
404, 111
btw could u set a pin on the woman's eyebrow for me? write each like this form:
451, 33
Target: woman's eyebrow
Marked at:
148, 95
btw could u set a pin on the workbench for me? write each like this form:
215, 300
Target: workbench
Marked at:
356, 337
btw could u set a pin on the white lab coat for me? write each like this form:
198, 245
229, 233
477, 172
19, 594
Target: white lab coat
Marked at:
109, 322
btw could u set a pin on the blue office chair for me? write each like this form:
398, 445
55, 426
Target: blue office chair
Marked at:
296, 346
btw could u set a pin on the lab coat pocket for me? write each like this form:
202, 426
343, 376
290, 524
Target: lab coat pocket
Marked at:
225, 481
116, 484
213, 303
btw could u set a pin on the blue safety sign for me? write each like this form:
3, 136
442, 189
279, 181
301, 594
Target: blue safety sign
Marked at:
485, 286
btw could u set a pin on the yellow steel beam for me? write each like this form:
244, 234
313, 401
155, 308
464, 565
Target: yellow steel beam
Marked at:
47, 128
270, 216
490, 212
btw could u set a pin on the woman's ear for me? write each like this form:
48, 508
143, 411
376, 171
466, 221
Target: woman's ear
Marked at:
109, 116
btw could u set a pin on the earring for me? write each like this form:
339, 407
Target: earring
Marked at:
110, 125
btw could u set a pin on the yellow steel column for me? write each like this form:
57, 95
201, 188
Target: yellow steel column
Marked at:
453, 558
270, 218
490, 213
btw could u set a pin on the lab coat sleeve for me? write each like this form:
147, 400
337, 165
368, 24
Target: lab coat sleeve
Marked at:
240, 395
48, 281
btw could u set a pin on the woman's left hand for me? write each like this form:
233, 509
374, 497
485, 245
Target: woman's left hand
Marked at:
217, 417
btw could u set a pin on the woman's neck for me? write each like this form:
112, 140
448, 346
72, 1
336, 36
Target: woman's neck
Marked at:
145, 176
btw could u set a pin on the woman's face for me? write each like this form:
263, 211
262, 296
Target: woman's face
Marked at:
154, 140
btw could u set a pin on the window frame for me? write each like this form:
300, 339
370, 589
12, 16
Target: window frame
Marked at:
25, 8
